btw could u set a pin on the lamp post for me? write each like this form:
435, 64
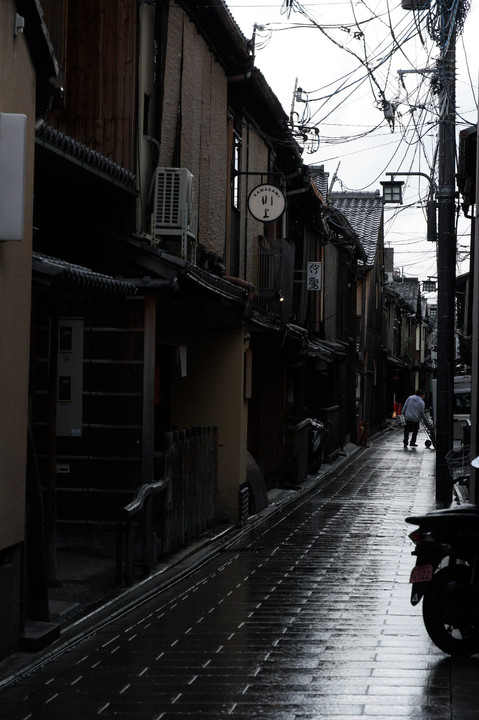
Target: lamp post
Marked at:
446, 257
392, 189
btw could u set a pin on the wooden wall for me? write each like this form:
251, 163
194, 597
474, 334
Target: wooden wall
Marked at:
96, 46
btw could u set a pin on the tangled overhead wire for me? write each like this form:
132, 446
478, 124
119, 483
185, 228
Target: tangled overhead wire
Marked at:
446, 20
413, 108
306, 134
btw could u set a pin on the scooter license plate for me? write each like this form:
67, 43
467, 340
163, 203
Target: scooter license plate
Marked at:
421, 573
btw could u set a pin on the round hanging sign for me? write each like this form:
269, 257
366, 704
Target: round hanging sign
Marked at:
266, 203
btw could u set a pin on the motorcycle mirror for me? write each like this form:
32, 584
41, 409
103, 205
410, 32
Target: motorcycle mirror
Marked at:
475, 462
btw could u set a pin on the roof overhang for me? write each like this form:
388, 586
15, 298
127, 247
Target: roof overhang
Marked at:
41, 51
222, 34
63, 148
397, 362
58, 274
327, 350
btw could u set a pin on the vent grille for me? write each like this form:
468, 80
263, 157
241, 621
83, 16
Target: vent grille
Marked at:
173, 201
269, 271
168, 199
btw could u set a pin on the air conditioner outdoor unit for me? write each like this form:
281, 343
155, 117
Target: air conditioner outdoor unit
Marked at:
173, 201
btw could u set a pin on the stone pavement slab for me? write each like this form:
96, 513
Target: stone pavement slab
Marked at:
304, 616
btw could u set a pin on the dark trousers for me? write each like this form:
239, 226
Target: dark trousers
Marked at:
411, 427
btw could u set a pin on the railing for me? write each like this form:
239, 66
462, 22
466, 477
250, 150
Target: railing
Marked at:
140, 509
174, 510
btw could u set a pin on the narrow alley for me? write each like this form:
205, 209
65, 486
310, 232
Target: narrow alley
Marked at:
306, 616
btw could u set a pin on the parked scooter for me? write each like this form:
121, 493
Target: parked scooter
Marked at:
446, 576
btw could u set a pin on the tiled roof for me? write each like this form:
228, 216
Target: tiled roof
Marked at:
68, 274
222, 33
82, 153
320, 178
364, 212
216, 284
408, 290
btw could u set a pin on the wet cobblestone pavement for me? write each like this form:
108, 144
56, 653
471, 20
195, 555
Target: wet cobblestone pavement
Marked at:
305, 617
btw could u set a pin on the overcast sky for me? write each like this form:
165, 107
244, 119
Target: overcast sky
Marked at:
347, 69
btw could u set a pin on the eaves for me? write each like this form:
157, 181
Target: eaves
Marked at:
62, 275
290, 334
340, 226
215, 284
38, 39
221, 32
397, 362
250, 96
298, 337
152, 264
42, 54
87, 160
327, 350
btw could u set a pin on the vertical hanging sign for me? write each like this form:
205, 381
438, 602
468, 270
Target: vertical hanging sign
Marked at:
314, 276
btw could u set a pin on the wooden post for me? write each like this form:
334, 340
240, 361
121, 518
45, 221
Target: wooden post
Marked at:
51, 468
148, 432
129, 551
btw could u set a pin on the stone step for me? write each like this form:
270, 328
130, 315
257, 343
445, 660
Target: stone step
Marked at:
38, 634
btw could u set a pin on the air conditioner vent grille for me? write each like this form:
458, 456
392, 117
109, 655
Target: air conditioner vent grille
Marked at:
168, 199
173, 201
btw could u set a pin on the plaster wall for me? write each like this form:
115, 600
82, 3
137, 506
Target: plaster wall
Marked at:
194, 127
330, 292
17, 95
255, 159
212, 393
147, 151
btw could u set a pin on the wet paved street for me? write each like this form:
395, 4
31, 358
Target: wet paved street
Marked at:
307, 616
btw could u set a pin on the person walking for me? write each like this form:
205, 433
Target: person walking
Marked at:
412, 410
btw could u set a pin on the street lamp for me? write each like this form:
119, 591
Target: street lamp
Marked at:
429, 286
392, 191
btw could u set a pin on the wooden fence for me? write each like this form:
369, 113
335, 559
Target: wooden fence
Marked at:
177, 508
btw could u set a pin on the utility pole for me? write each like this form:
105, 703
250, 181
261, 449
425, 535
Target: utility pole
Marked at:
446, 243
443, 28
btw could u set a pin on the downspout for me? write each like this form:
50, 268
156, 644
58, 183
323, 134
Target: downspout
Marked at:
149, 355
176, 156
51, 470
227, 247
245, 259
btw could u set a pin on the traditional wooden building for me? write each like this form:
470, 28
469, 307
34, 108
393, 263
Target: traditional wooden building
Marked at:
364, 212
194, 288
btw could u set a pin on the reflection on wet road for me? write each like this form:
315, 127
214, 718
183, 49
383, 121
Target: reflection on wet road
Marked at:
308, 616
